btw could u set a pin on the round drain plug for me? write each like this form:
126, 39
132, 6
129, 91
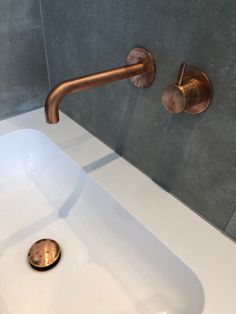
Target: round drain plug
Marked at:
44, 254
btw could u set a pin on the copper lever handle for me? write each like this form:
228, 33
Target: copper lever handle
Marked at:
180, 77
192, 92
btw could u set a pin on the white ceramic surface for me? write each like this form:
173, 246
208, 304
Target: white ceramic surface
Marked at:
138, 249
110, 262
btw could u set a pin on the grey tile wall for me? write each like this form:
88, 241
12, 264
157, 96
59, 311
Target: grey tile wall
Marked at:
23, 70
193, 157
231, 226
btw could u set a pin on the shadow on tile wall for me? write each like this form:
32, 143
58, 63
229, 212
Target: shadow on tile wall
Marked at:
192, 157
23, 69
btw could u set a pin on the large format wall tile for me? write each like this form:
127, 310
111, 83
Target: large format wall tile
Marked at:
193, 157
23, 70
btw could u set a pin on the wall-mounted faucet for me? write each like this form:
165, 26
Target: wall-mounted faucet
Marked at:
192, 92
140, 69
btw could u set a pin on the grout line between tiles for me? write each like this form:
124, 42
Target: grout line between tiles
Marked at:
228, 221
45, 43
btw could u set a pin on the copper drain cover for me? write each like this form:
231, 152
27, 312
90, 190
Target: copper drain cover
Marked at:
44, 254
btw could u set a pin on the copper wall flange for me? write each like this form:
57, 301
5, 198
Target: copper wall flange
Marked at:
142, 55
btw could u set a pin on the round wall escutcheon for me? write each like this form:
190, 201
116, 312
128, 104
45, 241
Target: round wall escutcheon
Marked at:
142, 55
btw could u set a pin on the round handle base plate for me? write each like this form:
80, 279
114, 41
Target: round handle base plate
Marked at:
206, 91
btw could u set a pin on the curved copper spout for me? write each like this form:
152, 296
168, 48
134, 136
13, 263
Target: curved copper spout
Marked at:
85, 82
142, 73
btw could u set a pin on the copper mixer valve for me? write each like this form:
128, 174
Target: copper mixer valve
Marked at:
192, 92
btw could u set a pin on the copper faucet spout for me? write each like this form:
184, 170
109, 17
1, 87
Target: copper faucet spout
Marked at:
85, 82
141, 69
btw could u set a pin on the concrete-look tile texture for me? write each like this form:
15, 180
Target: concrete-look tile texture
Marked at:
231, 226
23, 69
193, 157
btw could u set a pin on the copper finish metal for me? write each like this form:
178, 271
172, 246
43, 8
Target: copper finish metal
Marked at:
141, 55
44, 254
140, 68
182, 70
192, 92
